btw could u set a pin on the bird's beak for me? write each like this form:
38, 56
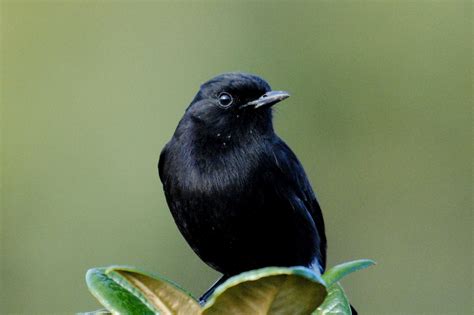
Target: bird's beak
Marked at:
268, 99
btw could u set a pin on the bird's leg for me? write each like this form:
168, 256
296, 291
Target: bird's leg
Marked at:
208, 293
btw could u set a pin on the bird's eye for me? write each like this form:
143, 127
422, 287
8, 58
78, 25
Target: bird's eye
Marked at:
225, 99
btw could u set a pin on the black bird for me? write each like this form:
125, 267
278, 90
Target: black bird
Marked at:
237, 192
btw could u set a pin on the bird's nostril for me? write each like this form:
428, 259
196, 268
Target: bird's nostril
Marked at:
264, 95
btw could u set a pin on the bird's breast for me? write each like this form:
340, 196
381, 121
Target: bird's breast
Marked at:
219, 171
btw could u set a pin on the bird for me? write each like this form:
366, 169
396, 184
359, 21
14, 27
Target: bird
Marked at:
237, 192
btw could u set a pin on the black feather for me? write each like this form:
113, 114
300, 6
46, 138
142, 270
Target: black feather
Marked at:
237, 192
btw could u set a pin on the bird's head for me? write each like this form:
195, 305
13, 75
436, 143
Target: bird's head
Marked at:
233, 103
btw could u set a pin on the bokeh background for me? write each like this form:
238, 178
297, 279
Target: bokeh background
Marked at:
380, 116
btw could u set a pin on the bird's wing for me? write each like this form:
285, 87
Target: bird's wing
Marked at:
161, 163
295, 177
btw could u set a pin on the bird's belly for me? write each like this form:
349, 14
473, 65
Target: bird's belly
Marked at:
244, 231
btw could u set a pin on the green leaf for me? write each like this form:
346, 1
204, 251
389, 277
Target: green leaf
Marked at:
336, 303
111, 295
160, 295
97, 312
336, 273
296, 290
150, 294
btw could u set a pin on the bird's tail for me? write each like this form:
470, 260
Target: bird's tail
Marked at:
353, 310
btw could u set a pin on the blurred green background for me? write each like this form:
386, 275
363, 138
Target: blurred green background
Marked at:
380, 116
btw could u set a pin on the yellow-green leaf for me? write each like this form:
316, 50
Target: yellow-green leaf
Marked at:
161, 296
272, 291
337, 272
113, 296
97, 312
336, 303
